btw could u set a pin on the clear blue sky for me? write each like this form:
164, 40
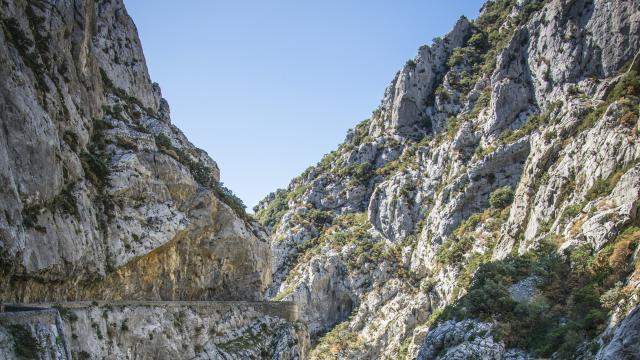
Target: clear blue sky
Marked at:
268, 87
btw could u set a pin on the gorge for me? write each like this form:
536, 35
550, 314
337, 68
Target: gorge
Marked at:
488, 209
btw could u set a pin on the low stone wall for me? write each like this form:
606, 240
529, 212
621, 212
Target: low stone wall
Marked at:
286, 310
163, 330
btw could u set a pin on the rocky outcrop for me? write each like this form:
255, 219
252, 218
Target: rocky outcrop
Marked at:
402, 109
33, 335
154, 330
465, 340
101, 195
103, 199
512, 138
495, 189
625, 340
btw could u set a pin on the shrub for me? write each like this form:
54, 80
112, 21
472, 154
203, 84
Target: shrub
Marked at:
30, 218
534, 123
360, 172
457, 57
66, 201
479, 41
274, 210
95, 160
229, 198
319, 218
604, 187
528, 10
501, 198
453, 249
452, 126
579, 287
623, 248
71, 139
467, 54
95, 168
163, 142
15, 34
613, 296
572, 211
627, 85
126, 143
26, 345
442, 93
202, 175
590, 117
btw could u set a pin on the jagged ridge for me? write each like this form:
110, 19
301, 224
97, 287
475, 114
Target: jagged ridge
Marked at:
504, 154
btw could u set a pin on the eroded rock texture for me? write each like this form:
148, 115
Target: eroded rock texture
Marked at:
154, 330
504, 152
101, 196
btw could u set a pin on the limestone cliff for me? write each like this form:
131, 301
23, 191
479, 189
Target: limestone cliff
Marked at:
101, 197
153, 330
489, 207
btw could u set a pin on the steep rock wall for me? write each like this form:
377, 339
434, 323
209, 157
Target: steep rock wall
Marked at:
101, 196
153, 330
512, 156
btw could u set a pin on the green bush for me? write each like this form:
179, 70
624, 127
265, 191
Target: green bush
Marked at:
627, 85
15, 34
163, 142
501, 198
319, 218
360, 172
478, 41
229, 198
95, 168
202, 174
95, 160
26, 346
453, 249
578, 286
452, 126
534, 123
273, 212
590, 117
528, 10
467, 54
126, 143
572, 211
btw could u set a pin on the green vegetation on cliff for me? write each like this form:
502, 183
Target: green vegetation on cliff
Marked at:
570, 306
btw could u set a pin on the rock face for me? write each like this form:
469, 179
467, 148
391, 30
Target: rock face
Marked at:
466, 339
100, 194
503, 158
102, 198
488, 209
626, 339
160, 330
33, 335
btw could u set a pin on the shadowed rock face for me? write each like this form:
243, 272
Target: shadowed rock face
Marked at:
625, 342
100, 195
